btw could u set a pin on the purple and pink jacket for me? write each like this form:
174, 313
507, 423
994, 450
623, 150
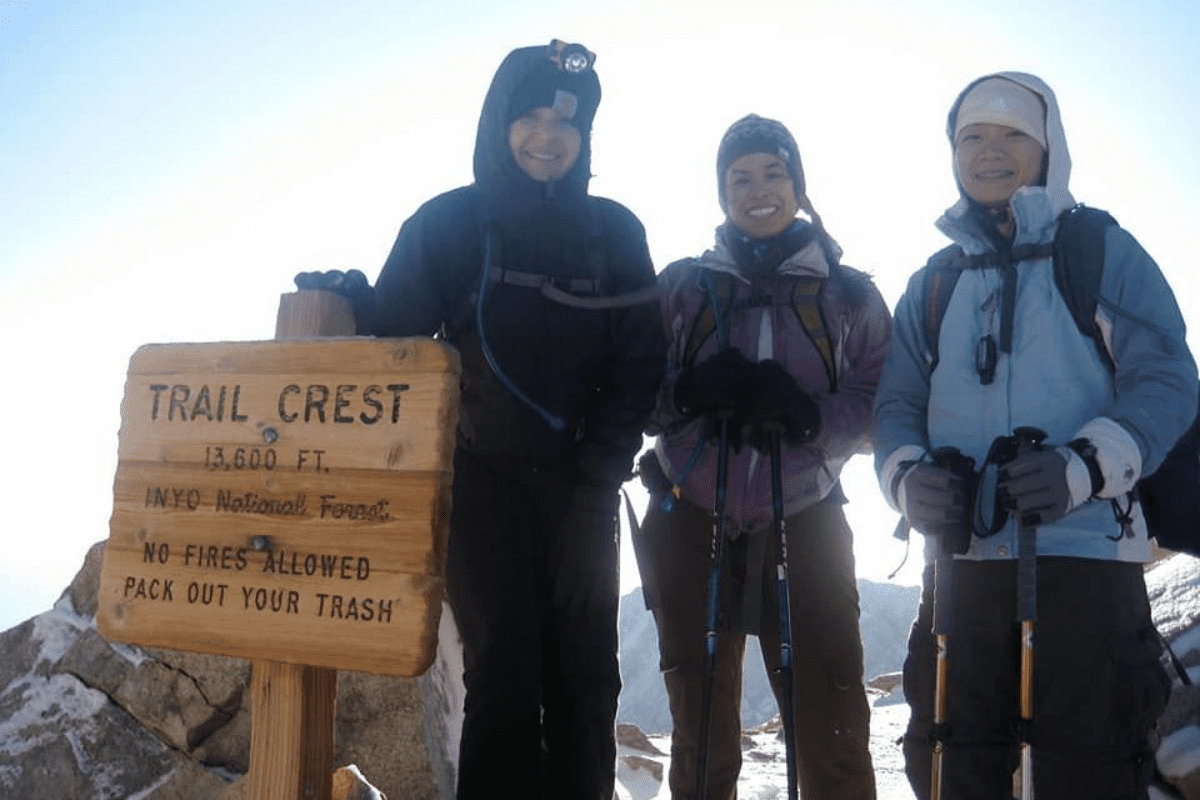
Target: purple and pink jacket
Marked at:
859, 326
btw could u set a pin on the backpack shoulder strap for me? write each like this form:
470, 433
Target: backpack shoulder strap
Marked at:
705, 323
1079, 266
597, 255
941, 274
805, 302
1079, 262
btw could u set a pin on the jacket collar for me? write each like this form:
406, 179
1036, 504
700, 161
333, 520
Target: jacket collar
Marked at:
808, 261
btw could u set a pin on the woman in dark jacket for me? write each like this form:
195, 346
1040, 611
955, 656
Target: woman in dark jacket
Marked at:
554, 398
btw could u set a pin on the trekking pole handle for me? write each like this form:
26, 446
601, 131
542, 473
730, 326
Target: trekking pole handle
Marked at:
1027, 439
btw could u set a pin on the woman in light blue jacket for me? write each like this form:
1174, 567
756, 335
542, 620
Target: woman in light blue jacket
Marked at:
1009, 354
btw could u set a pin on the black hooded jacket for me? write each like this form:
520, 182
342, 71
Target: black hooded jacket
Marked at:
597, 370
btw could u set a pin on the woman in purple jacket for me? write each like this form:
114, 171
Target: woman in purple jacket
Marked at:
774, 339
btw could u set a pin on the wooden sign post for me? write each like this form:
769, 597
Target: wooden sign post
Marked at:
286, 502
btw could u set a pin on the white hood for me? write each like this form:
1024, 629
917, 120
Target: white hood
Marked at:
1035, 208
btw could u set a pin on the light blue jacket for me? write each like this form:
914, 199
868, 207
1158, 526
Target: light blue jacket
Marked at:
1054, 378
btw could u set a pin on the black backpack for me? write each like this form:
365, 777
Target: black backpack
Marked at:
1171, 496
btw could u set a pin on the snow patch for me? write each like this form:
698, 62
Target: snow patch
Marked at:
56, 631
64, 608
1174, 588
43, 701
764, 764
58, 628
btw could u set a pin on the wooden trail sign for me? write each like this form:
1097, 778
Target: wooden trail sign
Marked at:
284, 501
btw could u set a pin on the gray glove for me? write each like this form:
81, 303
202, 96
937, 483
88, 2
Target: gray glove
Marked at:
1033, 486
938, 502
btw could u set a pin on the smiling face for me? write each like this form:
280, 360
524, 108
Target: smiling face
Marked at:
993, 161
760, 196
544, 144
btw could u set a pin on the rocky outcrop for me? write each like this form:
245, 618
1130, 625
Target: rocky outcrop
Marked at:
63, 738
82, 717
1174, 588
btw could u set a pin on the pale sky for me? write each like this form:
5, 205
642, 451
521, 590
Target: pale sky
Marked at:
167, 168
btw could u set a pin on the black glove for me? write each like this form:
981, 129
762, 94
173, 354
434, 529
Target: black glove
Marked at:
780, 406
352, 285
1033, 486
347, 284
938, 501
719, 383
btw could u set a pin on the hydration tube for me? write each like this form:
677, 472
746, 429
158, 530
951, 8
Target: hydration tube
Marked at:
556, 423
719, 323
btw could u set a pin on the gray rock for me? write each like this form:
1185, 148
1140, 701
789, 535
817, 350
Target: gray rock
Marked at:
228, 747
190, 781
61, 739
653, 768
84, 718
18, 653
1173, 586
349, 784
379, 730
94, 661
84, 590
631, 737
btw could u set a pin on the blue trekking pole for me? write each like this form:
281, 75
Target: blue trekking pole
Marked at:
714, 604
786, 705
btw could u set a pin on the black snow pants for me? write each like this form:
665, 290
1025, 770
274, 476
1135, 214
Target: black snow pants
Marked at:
532, 578
1097, 680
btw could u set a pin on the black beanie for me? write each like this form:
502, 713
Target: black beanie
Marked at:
755, 134
576, 95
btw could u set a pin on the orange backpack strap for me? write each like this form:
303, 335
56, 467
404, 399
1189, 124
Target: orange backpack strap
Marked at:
805, 302
705, 322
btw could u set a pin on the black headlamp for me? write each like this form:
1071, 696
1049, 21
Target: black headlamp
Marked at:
572, 58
